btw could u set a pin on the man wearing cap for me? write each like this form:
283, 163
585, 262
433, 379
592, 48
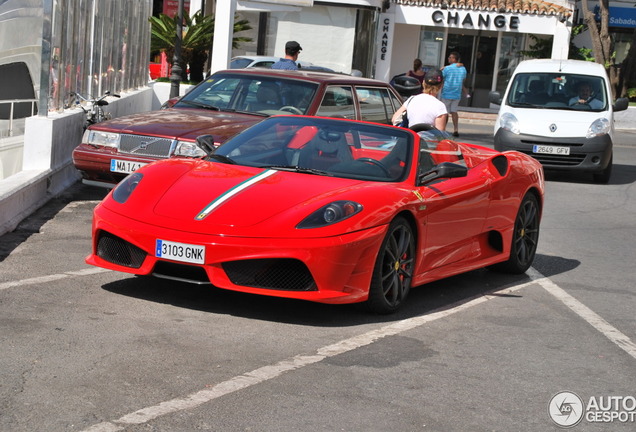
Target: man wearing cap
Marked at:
292, 49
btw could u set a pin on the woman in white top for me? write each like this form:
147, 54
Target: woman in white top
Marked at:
425, 107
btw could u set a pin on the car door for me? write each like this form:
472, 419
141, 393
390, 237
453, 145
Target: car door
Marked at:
456, 210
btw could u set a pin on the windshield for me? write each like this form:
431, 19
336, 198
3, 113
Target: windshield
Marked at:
322, 146
252, 94
558, 91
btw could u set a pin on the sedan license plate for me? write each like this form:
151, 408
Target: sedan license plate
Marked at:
125, 167
543, 149
180, 252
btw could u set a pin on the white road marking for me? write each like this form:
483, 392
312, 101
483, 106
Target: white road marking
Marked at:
595, 320
269, 372
51, 278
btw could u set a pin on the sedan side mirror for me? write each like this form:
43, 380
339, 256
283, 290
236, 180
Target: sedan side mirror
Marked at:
494, 97
443, 170
206, 143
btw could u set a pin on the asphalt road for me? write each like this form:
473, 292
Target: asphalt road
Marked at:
84, 349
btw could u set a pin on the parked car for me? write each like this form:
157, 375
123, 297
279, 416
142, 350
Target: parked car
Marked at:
326, 210
544, 114
223, 105
240, 62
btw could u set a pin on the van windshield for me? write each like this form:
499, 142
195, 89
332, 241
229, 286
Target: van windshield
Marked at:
558, 91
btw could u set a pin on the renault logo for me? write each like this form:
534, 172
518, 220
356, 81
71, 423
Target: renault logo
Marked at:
553, 127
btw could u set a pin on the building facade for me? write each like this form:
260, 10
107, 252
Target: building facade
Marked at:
382, 38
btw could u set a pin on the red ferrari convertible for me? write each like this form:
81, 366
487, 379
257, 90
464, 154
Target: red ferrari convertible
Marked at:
322, 209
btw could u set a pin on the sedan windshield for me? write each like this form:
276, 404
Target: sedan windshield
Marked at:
321, 146
558, 91
252, 94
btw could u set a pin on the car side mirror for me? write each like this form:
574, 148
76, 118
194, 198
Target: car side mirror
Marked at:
494, 97
621, 104
443, 170
206, 143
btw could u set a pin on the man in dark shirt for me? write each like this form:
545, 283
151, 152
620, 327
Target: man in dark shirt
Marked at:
292, 49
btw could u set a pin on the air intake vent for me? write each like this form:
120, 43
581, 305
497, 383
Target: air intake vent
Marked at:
118, 251
278, 274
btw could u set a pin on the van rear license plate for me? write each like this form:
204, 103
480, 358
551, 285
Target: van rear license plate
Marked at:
125, 167
543, 149
180, 252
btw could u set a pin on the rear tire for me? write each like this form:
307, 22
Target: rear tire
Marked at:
524, 238
393, 271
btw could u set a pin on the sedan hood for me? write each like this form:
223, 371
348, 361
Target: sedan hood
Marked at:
221, 199
181, 123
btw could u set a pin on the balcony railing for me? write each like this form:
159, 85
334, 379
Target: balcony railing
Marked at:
12, 110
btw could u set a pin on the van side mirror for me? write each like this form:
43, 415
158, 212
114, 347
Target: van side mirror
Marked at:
621, 104
494, 97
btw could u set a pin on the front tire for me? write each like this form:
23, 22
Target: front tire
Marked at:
524, 238
393, 271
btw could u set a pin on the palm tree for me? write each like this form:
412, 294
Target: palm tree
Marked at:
197, 39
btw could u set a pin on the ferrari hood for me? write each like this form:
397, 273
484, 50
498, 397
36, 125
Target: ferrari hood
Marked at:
181, 123
216, 198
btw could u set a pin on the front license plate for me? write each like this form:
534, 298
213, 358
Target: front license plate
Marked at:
180, 252
126, 167
551, 150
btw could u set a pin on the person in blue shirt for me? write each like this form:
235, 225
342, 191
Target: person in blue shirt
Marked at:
292, 49
454, 75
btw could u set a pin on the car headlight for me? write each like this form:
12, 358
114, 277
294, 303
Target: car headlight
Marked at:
330, 214
188, 149
125, 188
509, 122
107, 139
598, 127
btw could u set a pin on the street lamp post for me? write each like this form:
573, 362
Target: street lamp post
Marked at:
175, 76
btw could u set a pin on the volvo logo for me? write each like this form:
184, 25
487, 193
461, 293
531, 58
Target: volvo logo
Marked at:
144, 145
553, 127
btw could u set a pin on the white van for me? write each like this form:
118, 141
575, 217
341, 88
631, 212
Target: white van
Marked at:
561, 113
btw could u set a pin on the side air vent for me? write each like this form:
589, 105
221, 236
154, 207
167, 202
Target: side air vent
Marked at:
501, 163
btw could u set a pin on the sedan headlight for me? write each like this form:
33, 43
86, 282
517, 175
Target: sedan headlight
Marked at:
188, 149
598, 127
107, 139
330, 214
509, 122
125, 188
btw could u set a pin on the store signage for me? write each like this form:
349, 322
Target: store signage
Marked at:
476, 20
384, 38
619, 17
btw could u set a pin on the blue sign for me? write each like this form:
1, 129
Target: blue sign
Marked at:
619, 17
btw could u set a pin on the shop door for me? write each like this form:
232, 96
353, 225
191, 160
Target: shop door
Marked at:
484, 61
478, 56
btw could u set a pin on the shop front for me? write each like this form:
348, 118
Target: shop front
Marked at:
488, 39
